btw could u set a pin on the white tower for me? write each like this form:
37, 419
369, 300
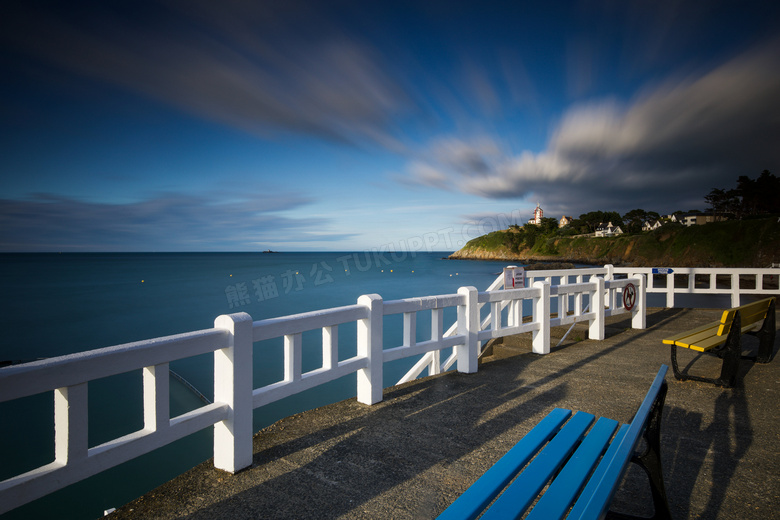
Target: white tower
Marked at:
537, 215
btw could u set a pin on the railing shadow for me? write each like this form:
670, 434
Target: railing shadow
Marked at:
341, 467
427, 425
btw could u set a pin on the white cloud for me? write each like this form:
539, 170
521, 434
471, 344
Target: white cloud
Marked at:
666, 149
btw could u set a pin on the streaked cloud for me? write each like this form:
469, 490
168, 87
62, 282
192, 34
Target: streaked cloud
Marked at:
669, 146
247, 65
167, 222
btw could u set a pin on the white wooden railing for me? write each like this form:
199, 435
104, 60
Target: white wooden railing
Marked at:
733, 282
232, 338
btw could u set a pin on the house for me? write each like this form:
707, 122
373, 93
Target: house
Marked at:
698, 219
608, 230
650, 226
565, 221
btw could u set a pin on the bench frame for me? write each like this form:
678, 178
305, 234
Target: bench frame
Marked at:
731, 349
583, 470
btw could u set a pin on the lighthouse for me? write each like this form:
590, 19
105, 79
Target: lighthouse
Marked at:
538, 213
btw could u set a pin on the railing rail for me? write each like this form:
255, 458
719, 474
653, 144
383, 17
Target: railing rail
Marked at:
231, 342
68, 376
733, 282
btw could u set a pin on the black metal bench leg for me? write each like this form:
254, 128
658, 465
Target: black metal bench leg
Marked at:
732, 354
766, 336
650, 462
677, 374
688, 377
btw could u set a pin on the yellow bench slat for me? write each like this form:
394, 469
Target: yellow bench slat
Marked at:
710, 329
749, 313
704, 344
713, 327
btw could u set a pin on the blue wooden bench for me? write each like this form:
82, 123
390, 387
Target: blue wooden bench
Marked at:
569, 468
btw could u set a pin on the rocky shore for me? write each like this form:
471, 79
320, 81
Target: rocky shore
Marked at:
530, 261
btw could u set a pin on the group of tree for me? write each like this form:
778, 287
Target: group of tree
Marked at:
751, 197
631, 222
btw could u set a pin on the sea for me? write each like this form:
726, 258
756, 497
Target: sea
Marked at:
57, 304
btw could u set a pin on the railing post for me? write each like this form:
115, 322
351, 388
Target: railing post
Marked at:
437, 333
330, 347
669, 290
156, 380
596, 328
369, 346
735, 289
70, 424
468, 325
639, 312
541, 338
233, 386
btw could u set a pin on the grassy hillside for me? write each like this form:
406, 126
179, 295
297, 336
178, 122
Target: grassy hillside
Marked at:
737, 243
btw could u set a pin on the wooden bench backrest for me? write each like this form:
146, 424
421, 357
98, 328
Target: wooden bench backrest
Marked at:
749, 314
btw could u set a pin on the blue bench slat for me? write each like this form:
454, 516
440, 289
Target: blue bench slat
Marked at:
598, 475
561, 494
597, 498
521, 493
487, 487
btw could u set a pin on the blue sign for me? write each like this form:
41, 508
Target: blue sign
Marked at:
662, 270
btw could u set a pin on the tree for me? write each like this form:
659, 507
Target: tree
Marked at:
548, 226
759, 197
532, 232
635, 219
722, 202
593, 219
751, 197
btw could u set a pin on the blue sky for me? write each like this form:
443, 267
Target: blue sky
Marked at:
242, 126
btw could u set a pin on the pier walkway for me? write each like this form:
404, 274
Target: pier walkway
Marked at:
412, 454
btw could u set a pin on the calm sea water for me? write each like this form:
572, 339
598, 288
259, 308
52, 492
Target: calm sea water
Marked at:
55, 304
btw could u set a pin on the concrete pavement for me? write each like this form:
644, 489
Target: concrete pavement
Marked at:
412, 454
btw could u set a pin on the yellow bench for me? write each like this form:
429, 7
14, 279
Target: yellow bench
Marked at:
722, 337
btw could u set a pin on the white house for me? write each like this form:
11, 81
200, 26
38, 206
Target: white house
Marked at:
650, 226
608, 231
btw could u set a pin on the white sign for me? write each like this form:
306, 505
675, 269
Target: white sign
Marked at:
514, 278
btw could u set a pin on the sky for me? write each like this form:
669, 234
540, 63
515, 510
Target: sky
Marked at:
195, 125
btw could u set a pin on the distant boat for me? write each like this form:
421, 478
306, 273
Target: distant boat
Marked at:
269, 251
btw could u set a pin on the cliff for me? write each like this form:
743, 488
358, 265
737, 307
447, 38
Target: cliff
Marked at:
738, 243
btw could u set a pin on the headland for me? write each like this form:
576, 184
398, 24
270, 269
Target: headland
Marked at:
736, 243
